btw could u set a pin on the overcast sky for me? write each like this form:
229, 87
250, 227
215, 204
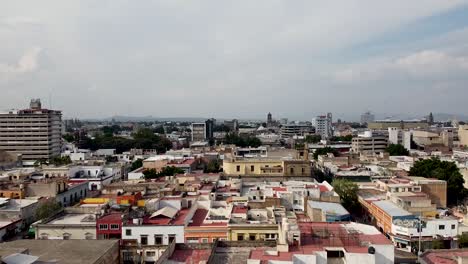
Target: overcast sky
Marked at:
235, 58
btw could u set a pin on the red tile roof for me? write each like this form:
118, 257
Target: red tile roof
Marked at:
198, 217
190, 255
239, 210
279, 189
444, 256
329, 235
162, 220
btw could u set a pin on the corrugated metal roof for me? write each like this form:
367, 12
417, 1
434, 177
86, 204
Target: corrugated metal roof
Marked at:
335, 208
166, 211
391, 208
19, 259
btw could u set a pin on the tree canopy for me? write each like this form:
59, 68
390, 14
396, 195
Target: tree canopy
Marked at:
313, 138
324, 151
47, 209
347, 138
136, 164
142, 139
212, 167
397, 150
442, 170
242, 141
166, 171
347, 190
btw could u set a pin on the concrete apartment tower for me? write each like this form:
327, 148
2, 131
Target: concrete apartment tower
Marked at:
35, 133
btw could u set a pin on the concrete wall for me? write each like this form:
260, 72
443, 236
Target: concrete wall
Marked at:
57, 232
152, 230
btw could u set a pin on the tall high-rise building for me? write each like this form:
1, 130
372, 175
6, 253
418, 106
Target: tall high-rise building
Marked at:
269, 118
35, 133
430, 119
209, 128
233, 124
323, 125
198, 132
367, 117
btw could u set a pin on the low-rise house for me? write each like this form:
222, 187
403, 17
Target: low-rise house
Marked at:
70, 223
96, 176
165, 224
109, 225
9, 228
330, 243
66, 194
24, 209
65, 251
327, 212
252, 225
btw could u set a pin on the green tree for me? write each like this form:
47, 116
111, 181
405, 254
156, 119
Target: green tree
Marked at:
313, 138
320, 176
159, 130
166, 171
347, 138
324, 151
60, 161
212, 167
347, 190
136, 164
463, 241
438, 244
47, 209
69, 137
242, 141
397, 150
442, 170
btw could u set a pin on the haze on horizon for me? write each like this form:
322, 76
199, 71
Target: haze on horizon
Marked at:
240, 59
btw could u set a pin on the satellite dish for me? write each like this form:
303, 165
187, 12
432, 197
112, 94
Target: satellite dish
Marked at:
371, 250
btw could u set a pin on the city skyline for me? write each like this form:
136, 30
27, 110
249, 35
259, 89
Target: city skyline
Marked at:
102, 59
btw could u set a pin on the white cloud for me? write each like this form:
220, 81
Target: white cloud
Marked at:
27, 63
423, 65
211, 56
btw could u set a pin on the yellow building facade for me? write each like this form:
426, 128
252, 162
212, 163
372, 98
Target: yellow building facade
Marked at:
267, 167
253, 232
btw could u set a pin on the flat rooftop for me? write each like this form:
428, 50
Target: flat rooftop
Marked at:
334, 208
63, 251
73, 219
391, 208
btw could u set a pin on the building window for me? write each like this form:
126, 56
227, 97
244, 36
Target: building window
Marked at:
151, 253
144, 240
103, 226
114, 227
441, 227
453, 226
240, 237
66, 236
192, 239
291, 170
172, 238
158, 239
237, 168
252, 168
204, 240
128, 232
